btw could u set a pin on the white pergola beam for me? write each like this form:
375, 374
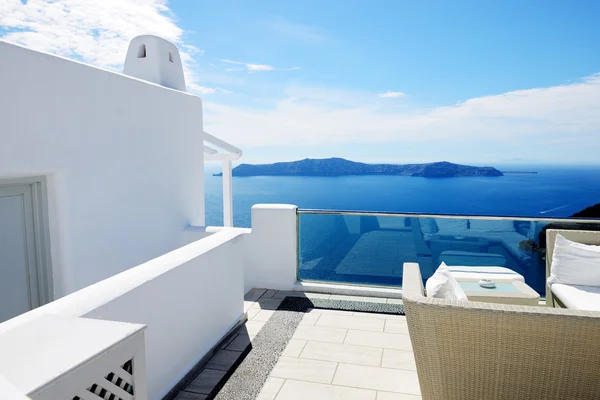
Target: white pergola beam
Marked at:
233, 153
209, 150
215, 141
220, 157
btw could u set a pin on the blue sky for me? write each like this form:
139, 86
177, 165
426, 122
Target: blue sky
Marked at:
395, 81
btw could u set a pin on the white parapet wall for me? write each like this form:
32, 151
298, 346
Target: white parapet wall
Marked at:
189, 299
272, 247
122, 157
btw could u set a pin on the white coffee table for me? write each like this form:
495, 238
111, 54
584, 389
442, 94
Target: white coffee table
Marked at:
505, 292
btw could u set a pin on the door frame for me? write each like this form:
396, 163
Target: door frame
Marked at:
41, 233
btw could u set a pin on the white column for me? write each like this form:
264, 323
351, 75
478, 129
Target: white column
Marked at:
227, 193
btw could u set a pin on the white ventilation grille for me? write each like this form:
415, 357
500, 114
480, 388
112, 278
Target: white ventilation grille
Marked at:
117, 385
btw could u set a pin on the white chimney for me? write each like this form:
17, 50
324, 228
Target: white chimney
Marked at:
156, 60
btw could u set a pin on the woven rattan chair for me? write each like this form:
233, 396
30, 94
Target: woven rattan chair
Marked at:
477, 351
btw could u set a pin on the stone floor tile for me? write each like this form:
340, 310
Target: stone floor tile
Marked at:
394, 301
351, 322
326, 311
267, 304
206, 381
396, 326
398, 317
282, 294
396, 341
304, 370
376, 378
358, 298
294, 348
269, 294
370, 315
251, 313
253, 327
223, 360
254, 294
240, 343
190, 396
396, 396
230, 339
309, 319
398, 359
270, 389
248, 305
345, 353
320, 334
263, 315
296, 390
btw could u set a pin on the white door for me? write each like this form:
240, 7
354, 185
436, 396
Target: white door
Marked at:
19, 287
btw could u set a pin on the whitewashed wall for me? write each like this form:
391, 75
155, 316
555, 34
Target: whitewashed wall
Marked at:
123, 158
270, 259
189, 299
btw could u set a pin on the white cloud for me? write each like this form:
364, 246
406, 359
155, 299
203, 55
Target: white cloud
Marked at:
251, 68
540, 122
96, 32
391, 95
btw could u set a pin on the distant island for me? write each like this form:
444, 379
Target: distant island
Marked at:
590, 212
343, 167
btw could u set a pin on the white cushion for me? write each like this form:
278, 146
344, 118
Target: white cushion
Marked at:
442, 285
578, 297
451, 226
481, 225
575, 263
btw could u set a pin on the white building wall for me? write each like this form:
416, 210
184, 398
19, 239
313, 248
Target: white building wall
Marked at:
123, 158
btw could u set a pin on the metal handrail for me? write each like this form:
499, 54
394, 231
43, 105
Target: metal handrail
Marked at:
464, 216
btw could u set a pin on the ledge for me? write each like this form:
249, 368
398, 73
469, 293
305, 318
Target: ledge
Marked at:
348, 290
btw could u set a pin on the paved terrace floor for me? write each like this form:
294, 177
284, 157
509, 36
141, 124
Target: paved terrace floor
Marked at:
330, 354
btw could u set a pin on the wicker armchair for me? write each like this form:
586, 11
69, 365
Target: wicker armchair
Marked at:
477, 351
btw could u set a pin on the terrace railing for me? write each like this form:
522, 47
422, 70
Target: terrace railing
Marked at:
370, 248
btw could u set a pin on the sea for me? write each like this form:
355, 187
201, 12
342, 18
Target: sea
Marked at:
554, 191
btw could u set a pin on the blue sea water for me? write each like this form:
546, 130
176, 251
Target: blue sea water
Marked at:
553, 192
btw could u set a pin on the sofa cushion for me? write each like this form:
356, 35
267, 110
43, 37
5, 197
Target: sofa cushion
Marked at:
574, 263
482, 225
578, 297
443, 285
451, 226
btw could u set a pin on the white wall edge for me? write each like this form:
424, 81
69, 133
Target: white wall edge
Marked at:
84, 301
215, 229
47, 54
348, 290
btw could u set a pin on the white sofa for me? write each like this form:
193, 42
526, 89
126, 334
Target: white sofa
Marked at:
562, 295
